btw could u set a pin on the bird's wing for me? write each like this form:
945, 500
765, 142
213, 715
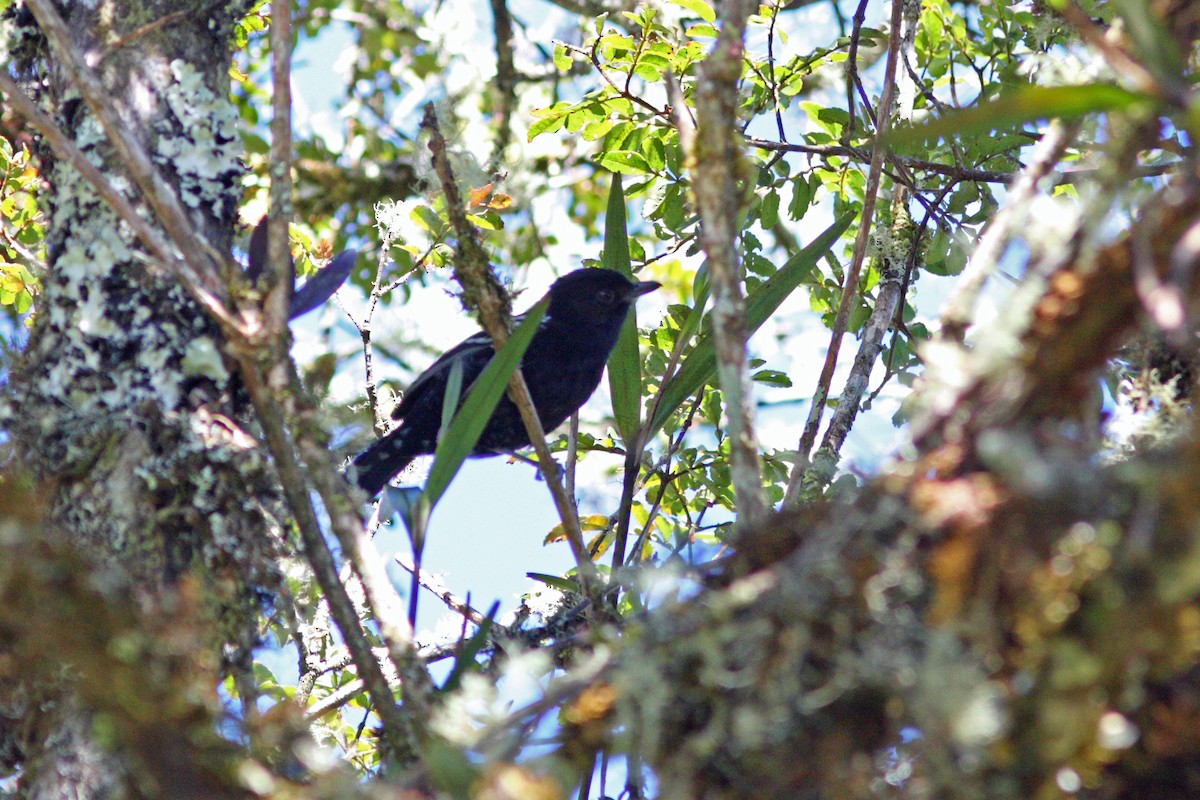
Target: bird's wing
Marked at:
475, 352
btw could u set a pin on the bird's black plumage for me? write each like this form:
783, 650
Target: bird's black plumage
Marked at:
562, 367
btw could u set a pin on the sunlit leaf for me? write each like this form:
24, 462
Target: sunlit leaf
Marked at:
1019, 106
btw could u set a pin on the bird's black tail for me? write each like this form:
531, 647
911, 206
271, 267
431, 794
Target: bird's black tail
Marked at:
375, 466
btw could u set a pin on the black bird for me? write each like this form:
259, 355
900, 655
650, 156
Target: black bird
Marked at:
562, 367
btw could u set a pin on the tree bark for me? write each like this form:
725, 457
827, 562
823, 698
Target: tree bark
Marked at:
123, 402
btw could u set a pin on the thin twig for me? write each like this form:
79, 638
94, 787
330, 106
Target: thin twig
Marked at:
438, 589
593, 55
474, 273
771, 73
143, 30
859, 19
334, 700
666, 480
850, 284
862, 154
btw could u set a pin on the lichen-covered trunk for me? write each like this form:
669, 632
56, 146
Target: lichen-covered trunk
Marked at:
123, 403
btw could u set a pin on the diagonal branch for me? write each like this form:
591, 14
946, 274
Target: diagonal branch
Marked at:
958, 312
893, 268
269, 378
483, 289
715, 152
850, 286
398, 726
205, 265
168, 257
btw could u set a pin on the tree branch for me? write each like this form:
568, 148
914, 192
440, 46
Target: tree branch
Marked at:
893, 267
850, 284
719, 187
958, 312
473, 271
168, 257
279, 257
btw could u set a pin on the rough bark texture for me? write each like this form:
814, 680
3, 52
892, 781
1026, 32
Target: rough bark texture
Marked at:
123, 401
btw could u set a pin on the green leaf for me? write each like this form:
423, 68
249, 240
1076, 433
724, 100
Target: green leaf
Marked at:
554, 581
562, 59
698, 7
488, 221
700, 365
427, 218
802, 194
459, 439
1019, 106
624, 161
466, 658
624, 364
549, 119
773, 377
655, 152
768, 212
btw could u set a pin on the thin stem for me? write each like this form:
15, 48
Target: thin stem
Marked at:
434, 586
850, 284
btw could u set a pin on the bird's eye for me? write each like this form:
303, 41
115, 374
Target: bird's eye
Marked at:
606, 296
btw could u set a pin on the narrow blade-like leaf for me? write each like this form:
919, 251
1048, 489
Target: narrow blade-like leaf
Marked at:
1018, 106
464, 431
700, 364
624, 365
466, 658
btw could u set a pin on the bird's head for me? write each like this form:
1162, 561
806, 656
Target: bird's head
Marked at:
591, 295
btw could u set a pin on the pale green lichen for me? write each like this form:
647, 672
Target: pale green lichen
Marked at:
205, 150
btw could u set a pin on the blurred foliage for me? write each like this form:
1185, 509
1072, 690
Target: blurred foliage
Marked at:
22, 230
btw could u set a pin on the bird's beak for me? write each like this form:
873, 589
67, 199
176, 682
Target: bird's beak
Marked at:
645, 287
